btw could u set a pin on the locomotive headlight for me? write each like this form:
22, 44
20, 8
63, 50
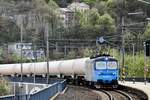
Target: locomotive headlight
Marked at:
113, 73
106, 58
100, 73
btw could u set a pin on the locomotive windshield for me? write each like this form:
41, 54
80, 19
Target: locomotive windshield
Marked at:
112, 65
100, 65
106, 65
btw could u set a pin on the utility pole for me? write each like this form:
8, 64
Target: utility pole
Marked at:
35, 58
65, 50
133, 54
123, 45
97, 49
56, 47
133, 50
21, 38
113, 52
47, 46
145, 62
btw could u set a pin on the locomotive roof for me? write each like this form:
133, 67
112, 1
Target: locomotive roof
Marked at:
105, 58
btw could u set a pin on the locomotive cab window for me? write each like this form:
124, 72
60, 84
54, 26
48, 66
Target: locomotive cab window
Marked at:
112, 65
100, 65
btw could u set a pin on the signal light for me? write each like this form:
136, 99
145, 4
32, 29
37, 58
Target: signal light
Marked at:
147, 48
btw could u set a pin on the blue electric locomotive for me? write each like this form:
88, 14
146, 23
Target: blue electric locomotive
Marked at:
103, 70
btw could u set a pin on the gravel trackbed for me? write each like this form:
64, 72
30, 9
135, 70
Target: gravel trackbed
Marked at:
78, 93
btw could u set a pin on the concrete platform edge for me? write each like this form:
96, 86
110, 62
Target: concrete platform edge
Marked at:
136, 88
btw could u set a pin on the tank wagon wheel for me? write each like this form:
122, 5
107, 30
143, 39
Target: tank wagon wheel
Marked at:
115, 84
69, 80
91, 84
87, 83
76, 82
84, 83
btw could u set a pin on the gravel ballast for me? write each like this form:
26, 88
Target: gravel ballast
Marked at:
78, 93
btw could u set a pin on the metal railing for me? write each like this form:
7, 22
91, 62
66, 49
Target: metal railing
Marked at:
46, 93
43, 94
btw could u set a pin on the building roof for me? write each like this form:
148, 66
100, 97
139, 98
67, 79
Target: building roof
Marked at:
78, 6
65, 10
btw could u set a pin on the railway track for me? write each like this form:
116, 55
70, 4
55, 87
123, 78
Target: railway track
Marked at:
110, 97
124, 93
134, 93
120, 95
115, 95
88, 93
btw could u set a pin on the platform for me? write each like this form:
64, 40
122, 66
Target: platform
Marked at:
138, 85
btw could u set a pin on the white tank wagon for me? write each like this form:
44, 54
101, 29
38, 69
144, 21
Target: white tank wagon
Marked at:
65, 67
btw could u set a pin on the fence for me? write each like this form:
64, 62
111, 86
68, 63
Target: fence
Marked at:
44, 94
41, 80
137, 79
49, 91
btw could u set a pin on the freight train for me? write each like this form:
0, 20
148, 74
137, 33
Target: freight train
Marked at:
101, 70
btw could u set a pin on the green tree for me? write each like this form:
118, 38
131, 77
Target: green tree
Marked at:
101, 6
94, 17
147, 32
52, 4
71, 55
4, 87
90, 2
88, 52
8, 30
107, 24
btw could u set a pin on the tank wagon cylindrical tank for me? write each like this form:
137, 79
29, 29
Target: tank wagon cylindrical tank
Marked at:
65, 67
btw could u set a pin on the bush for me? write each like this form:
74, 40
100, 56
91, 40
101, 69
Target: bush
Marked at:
135, 64
71, 55
6, 58
88, 52
4, 87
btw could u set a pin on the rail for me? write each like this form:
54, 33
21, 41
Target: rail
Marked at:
108, 94
125, 94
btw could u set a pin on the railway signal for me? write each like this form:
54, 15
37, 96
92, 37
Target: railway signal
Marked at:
100, 40
146, 55
147, 48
